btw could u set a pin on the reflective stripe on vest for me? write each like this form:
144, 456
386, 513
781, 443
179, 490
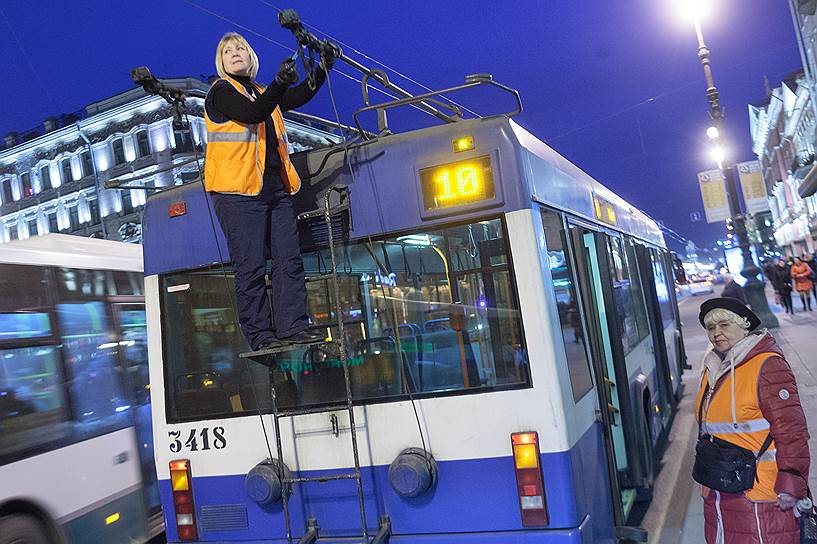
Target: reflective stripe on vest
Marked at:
750, 428
236, 153
246, 136
736, 428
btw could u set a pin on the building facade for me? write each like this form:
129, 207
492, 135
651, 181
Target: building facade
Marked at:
783, 138
54, 178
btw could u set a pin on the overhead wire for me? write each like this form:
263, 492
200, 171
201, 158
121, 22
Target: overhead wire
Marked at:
379, 63
275, 42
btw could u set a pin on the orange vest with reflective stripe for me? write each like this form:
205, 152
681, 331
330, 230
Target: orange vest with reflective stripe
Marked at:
236, 153
749, 428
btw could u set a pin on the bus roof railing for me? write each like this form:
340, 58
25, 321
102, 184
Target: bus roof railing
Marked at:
471, 81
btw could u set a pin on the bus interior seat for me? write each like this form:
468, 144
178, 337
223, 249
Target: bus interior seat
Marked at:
201, 393
321, 379
380, 374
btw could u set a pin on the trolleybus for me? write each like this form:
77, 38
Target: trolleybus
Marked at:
76, 446
513, 346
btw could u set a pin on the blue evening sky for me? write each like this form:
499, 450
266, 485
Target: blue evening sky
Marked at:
615, 86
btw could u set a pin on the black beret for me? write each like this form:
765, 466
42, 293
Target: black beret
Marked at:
731, 304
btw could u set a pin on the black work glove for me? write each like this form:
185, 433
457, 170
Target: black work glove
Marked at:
287, 73
329, 52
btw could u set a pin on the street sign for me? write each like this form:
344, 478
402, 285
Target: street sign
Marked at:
754, 190
713, 193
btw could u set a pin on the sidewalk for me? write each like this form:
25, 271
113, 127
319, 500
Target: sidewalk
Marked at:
797, 337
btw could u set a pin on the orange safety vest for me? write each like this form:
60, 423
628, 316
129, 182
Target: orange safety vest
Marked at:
749, 428
236, 153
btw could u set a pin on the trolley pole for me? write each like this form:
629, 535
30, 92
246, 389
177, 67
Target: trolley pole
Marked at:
754, 288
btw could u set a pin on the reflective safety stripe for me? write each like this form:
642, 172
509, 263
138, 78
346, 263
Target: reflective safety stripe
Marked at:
751, 426
768, 455
248, 136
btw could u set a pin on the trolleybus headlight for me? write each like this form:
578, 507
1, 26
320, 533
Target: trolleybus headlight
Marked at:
413, 472
529, 483
263, 483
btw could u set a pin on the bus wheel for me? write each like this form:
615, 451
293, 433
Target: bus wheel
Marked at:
20, 529
647, 462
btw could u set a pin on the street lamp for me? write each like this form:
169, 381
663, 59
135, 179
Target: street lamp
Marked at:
754, 288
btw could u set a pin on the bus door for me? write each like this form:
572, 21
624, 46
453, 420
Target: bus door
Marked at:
609, 363
657, 299
132, 329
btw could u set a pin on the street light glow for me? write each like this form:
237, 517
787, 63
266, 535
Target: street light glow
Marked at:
712, 133
693, 10
718, 155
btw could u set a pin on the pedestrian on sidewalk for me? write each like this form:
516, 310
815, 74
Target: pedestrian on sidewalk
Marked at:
801, 273
781, 281
808, 258
732, 289
748, 398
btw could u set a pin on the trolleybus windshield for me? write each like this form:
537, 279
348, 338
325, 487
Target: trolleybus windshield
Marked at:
427, 312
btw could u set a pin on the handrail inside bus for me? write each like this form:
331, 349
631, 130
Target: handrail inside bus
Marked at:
471, 81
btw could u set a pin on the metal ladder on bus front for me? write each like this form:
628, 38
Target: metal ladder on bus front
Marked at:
286, 479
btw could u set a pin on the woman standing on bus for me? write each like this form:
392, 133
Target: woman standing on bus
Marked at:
749, 399
250, 177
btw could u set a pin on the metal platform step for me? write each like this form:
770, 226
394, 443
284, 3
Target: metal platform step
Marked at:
265, 356
312, 410
322, 479
381, 537
319, 277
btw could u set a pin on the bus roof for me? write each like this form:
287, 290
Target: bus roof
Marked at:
386, 193
73, 252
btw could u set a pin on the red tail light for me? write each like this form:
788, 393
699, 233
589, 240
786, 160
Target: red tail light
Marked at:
183, 500
529, 483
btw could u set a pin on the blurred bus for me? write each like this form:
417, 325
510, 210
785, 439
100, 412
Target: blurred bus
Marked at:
76, 447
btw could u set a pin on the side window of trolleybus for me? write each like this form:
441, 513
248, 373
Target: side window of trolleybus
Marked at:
430, 312
627, 293
32, 403
567, 304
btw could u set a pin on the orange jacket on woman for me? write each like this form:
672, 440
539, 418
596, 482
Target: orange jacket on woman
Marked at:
801, 274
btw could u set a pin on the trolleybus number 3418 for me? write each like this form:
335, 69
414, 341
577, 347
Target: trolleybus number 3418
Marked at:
204, 439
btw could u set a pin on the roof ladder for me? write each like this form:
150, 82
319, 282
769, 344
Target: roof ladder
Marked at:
267, 358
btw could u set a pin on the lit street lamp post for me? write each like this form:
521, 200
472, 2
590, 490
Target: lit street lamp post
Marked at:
754, 288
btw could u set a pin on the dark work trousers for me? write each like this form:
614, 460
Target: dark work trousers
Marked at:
259, 228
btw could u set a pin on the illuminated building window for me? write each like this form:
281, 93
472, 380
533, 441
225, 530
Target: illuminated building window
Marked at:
45, 176
65, 167
127, 201
32, 227
25, 185
5, 188
93, 208
87, 165
13, 232
142, 143
118, 152
73, 214
53, 226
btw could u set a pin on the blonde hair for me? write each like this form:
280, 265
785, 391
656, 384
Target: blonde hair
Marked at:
721, 314
237, 38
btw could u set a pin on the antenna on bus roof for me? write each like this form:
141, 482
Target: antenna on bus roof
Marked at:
309, 43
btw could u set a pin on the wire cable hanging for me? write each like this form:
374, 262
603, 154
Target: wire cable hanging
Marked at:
367, 57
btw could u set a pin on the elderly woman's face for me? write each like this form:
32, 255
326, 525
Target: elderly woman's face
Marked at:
725, 334
236, 58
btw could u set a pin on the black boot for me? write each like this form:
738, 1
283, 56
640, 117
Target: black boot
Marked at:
305, 337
